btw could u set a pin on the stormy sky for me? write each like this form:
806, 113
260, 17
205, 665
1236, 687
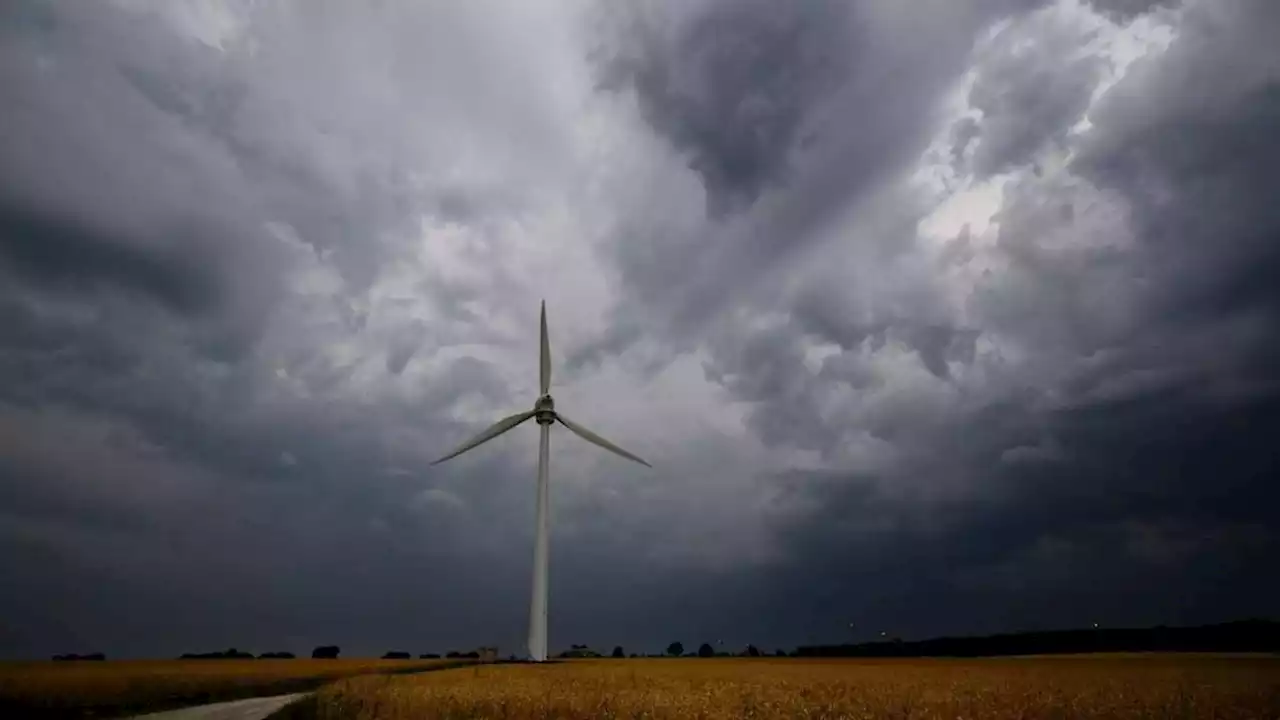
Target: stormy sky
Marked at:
933, 317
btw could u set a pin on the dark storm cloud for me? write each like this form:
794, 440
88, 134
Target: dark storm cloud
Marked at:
1128, 9
822, 313
185, 462
735, 86
230, 348
403, 347
52, 249
1131, 482
1029, 91
137, 173
763, 370
874, 75
105, 193
1154, 509
214, 488
742, 87
1209, 141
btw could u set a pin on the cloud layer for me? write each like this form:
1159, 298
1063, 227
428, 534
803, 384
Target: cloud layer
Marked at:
938, 321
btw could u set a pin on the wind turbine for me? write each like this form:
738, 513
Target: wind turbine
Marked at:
544, 411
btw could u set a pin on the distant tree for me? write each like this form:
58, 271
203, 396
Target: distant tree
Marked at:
617, 652
634, 655
228, 654
780, 653
72, 656
473, 655
675, 649
326, 652
429, 656
276, 656
453, 654
705, 650
396, 655
753, 651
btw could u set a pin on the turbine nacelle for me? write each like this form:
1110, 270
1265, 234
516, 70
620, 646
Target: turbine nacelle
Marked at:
544, 410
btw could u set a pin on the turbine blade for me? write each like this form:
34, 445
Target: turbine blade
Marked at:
591, 437
489, 433
544, 364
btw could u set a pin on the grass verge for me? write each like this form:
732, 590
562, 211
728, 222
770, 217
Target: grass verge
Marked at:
120, 688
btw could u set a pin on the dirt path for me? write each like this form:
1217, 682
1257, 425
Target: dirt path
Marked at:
250, 709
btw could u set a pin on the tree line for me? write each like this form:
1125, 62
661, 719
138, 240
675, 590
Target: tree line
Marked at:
323, 652
1238, 636
1255, 635
675, 649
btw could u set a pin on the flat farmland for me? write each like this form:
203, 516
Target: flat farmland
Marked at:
1097, 686
39, 690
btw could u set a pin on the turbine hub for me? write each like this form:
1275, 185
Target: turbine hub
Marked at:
545, 408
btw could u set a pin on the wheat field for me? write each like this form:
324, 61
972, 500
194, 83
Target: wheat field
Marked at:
30, 690
1137, 686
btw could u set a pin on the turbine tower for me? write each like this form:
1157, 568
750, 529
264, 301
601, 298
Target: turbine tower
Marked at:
544, 411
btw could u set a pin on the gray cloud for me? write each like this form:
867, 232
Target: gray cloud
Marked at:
1128, 9
52, 250
1032, 83
734, 85
880, 81
260, 266
1143, 340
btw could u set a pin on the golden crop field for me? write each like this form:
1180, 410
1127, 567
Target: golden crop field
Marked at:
121, 687
1159, 686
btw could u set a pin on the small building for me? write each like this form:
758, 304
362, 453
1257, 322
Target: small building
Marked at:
487, 654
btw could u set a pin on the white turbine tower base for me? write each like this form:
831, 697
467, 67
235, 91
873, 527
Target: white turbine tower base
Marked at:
544, 410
